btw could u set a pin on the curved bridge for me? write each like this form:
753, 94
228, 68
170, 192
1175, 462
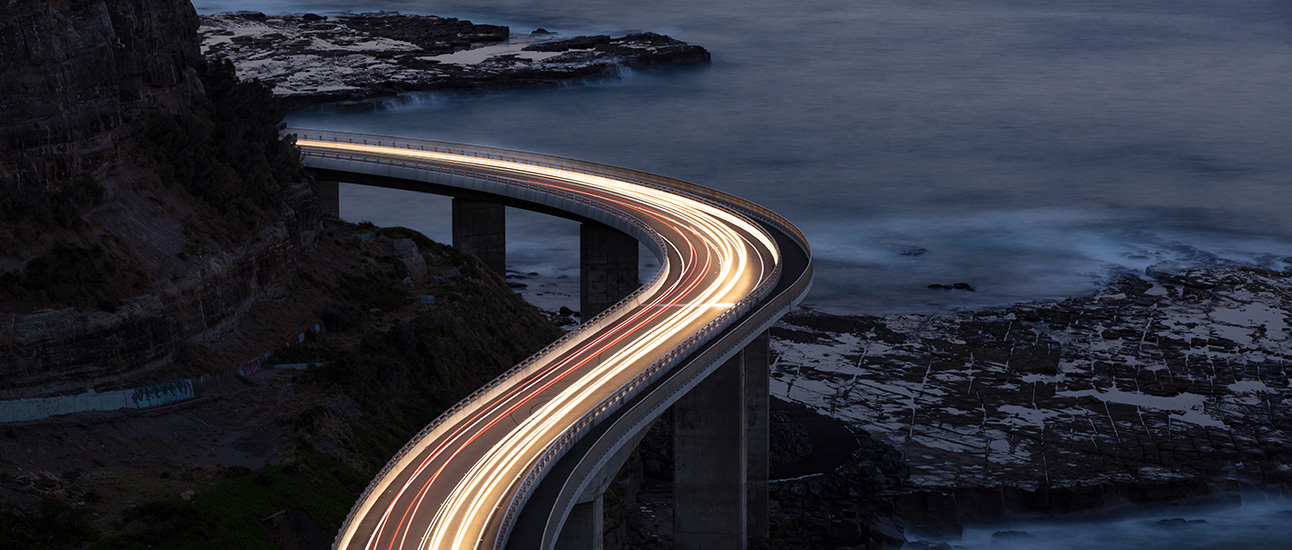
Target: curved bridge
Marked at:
521, 463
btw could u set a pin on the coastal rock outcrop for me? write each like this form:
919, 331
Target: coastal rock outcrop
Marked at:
309, 59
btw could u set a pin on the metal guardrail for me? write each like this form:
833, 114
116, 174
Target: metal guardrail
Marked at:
664, 183
629, 389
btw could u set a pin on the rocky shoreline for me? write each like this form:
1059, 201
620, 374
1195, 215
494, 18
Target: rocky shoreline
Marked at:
311, 59
1167, 389
1159, 391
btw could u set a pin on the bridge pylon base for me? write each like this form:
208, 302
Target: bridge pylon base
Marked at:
607, 267
710, 463
480, 229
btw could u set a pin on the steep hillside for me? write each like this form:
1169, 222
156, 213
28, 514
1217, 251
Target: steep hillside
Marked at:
146, 199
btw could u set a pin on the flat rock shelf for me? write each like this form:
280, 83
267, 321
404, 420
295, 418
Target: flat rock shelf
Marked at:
313, 59
1159, 390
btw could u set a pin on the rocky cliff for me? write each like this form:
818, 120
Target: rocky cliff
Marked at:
76, 71
145, 198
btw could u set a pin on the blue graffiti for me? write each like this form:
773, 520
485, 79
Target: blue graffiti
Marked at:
162, 394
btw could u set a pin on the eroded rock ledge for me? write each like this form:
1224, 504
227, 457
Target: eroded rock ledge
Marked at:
311, 59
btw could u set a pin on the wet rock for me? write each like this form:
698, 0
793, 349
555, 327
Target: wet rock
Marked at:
1011, 536
926, 545
954, 286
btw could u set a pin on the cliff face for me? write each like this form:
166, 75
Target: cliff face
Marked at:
145, 198
74, 71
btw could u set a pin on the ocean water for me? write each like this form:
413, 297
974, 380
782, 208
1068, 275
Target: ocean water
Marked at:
1260, 522
1033, 149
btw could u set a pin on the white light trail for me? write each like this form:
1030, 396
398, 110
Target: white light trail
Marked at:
715, 257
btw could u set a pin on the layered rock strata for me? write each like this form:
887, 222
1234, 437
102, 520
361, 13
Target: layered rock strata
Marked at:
76, 72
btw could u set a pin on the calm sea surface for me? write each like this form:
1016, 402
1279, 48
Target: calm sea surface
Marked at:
1032, 149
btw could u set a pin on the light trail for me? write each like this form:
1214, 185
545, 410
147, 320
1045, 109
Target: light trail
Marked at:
455, 490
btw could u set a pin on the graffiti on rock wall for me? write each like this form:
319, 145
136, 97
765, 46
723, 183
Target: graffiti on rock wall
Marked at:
162, 394
250, 367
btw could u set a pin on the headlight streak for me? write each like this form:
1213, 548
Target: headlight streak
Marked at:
567, 368
733, 255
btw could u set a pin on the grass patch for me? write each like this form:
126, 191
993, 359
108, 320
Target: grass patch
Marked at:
227, 512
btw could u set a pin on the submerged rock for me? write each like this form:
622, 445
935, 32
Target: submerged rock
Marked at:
1180, 522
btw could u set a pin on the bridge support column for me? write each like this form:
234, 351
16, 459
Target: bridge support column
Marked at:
584, 528
329, 196
709, 429
480, 229
757, 419
607, 267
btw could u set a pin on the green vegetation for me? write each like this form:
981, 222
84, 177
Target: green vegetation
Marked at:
41, 207
424, 243
226, 513
225, 151
56, 526
367, 293
405, 375
85, 277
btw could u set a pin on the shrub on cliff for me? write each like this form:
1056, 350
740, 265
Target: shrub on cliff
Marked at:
85, 277
225, 151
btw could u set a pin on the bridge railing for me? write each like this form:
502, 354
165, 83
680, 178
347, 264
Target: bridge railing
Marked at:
629, 389
697, 192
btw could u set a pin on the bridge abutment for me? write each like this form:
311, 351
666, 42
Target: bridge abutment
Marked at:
480, 229
607, 267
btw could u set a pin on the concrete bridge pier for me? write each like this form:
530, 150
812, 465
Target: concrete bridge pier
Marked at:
607, 267
757, 418
329, 196
584, 527
720, 455
480, 229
